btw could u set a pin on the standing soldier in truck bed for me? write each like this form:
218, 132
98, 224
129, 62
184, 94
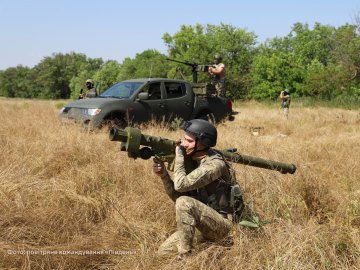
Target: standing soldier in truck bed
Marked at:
217, 73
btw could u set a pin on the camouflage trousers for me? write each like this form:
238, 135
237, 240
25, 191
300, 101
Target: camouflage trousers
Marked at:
192, 214
220, 88
285, 109
286, 112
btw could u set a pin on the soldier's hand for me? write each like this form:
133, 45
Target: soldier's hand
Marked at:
179, 151
159, 168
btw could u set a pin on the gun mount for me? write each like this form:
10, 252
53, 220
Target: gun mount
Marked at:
195, 68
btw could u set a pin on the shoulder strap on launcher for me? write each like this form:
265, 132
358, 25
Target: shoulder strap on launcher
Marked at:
236, 198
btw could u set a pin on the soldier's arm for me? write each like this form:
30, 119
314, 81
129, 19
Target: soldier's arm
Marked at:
200, 177
169, 188
218, 70
161, 171
281, 94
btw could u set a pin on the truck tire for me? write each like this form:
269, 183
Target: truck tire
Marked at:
118, 123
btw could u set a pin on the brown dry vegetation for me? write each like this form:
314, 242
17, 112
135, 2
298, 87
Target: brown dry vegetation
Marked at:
65, 190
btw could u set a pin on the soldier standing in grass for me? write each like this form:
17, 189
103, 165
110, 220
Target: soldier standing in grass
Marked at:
91, 92
285, 102
217, 73
201, 188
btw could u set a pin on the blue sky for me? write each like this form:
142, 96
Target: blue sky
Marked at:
115, 29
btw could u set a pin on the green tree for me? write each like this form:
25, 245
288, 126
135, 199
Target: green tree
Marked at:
18, 82
268, 75
55, 73
107, 75
346, 52
200, 43
309, 45
323, 62
274, 68
86, 71
148, 64
339, 76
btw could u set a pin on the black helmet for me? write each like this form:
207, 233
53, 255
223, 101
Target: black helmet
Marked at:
204, 131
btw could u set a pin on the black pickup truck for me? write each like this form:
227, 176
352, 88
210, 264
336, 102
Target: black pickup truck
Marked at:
142, 100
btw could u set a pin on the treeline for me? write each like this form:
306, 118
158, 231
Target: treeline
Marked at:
322, 62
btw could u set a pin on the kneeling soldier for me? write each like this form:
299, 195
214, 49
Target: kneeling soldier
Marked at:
204, 189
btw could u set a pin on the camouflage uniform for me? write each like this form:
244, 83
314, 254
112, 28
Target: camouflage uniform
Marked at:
285, 102
201, 192
92, 91
219, 81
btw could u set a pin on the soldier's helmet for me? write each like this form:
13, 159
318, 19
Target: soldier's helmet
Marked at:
90, 81
203, 130
286, 91
217, 57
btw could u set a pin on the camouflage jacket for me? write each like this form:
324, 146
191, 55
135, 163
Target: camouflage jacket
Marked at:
209, 181
91, 93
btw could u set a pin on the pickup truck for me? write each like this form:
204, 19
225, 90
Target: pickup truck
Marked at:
141, 100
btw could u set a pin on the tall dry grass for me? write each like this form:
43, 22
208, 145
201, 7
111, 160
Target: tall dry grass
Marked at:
70, 200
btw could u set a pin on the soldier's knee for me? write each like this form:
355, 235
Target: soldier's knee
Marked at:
184, 203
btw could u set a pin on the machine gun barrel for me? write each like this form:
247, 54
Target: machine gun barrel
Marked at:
183, 62
146, 146
193, 66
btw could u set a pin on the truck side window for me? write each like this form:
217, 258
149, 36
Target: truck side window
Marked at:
154, 91
175, 90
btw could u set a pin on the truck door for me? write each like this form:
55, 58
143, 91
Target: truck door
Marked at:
154, 107
179, 99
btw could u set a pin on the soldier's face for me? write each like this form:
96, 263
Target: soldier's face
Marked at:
189, 141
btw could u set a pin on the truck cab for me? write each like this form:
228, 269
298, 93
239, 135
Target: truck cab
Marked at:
141, 100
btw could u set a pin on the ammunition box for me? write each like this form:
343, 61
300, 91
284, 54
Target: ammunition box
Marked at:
205, 89
202, 68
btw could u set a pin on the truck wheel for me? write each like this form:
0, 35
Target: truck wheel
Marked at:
118, 123
208, 117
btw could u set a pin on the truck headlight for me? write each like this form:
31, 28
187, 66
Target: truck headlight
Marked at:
64, 110
93, 112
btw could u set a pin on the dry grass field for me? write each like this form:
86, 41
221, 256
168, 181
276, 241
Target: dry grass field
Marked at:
70, 200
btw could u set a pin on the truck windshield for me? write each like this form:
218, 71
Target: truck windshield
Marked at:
121, 90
